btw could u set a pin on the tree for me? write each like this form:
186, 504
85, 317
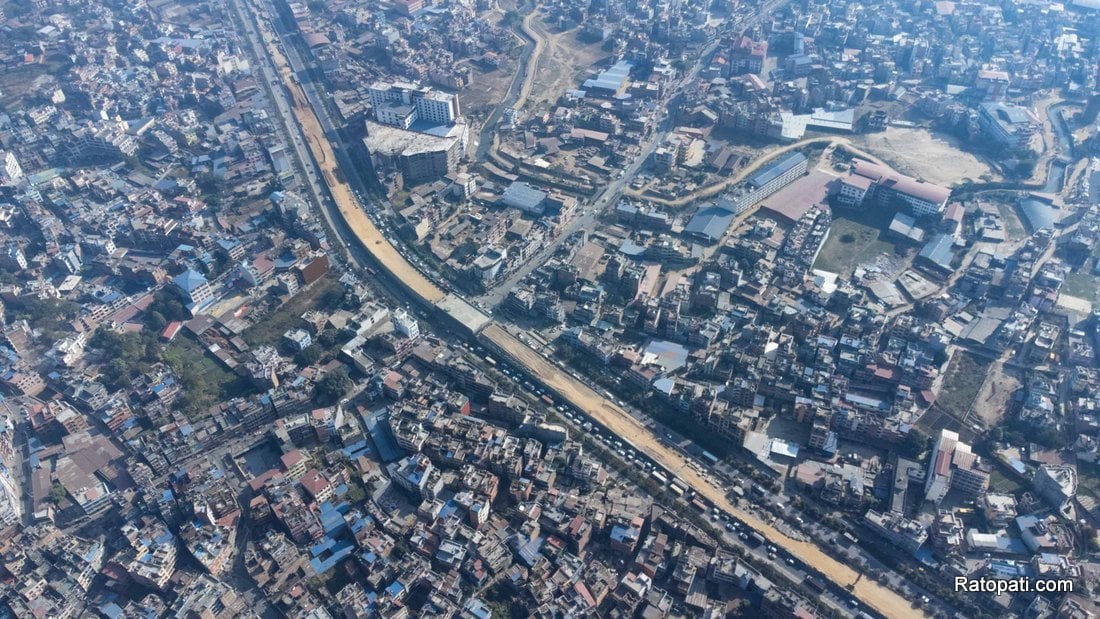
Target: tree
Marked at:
309, 355
57, 493
915, 443
332, 387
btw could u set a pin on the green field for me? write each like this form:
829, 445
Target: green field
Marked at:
854, 241
1082, 285
999, 482
269, 329
205, 382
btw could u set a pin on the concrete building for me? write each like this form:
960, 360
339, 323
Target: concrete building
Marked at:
194, 288
10, 170
1010, 126
1057, 484
401, 104
888, 187
954, 466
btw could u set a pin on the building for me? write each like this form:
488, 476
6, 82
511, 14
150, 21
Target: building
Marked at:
194, 288
954, 466
886, 187
405, 324
419, 153
1011, 126
401, 104
1057, 484
770, 180
10, 170
903, 532
524, 197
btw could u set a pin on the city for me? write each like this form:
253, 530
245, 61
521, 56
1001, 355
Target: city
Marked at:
511, 308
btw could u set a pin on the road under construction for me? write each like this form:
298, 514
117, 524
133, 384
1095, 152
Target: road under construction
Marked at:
478, 324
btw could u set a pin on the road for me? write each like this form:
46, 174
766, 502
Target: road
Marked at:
620, 423
611, 192
305, 112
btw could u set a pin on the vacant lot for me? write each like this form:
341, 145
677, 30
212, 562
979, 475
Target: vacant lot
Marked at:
995, 394
962, 382
270, 328
852, 242
488, 86
919, 153
1083, 286
562, 65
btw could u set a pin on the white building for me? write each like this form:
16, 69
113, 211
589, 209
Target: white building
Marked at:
401, 104
406, 324
10, 170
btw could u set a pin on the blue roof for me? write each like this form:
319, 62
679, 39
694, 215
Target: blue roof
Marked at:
1039, 214
189, 280
777, 169
523, 196
938, 250
710, 222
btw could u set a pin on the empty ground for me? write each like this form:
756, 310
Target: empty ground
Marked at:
919, 153
855, 239
962, 383
992, 400
563, 65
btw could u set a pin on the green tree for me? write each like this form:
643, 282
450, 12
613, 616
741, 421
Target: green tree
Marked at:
914, 444
309, 355
332, 387
57, 493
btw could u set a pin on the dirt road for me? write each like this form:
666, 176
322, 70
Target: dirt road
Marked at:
365, 230
745, 172
619, 422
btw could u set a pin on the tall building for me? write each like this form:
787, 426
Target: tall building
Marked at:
10, 170
401, 104
954, 466
406, 324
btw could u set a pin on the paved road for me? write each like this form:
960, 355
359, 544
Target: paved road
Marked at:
618, 421
610, 193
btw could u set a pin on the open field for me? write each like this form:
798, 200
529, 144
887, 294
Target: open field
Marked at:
487, 86
619, 422
852, 242
1083, 285
563, 63
917, 152
993, 398
962, 382
271, 328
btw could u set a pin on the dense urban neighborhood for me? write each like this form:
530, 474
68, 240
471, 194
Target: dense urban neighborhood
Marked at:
516, 308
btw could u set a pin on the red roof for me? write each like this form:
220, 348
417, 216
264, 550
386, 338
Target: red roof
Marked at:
171, 330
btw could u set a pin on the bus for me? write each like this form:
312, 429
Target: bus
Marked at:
659, 477
678, 487
491, 361
710, 458
814, 584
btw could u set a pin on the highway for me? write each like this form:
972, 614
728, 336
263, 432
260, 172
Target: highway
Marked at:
306, 112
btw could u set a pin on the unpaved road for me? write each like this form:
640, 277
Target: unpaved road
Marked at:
372, 238
619, 422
